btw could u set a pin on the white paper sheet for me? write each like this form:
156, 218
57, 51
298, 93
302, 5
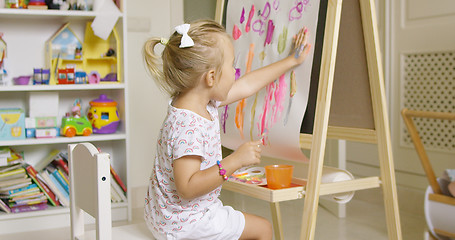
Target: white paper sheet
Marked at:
107, 15
273, 110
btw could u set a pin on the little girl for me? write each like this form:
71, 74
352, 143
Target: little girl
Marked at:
197, 70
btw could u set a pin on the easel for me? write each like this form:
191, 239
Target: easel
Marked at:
359, 84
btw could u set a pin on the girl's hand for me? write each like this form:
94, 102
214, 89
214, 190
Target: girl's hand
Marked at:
301, 47
248, 153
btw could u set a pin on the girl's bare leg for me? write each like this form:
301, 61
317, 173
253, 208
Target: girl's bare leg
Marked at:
257, 228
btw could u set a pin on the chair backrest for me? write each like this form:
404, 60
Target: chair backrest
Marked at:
89, 189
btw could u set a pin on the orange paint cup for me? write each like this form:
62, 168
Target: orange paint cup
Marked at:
278, 176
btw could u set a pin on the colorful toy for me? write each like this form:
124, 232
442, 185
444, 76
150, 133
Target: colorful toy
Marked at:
66, 76
103, 115
81, 77
110, 77
41, 76
75, 124
21, 80
12, 124
94, 77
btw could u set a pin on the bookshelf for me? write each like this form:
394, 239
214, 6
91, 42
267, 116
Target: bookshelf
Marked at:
25, 32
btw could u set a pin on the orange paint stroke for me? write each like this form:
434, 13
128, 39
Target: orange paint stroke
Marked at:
250, 58
253, 113
239, 114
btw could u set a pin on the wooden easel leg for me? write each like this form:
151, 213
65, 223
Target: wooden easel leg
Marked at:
321, 120
381, 120
276, 218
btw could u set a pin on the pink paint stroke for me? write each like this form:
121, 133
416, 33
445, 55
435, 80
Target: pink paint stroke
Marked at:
236, 32
270, 30
272, 112
242, 17
276, 4
258, 25
250, 17
296, 11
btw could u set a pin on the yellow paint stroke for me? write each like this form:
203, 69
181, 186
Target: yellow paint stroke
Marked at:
293, 84
282, 40
239, 114
262, 56
250, 58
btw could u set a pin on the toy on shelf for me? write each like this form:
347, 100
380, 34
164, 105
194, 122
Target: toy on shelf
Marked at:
12, 124
37, 4
81, 77
65, 76
94, 77
102, 55
75, 124
16, 4
64, 48
110, 77
41, 76
21, 80
103, 115
61, 50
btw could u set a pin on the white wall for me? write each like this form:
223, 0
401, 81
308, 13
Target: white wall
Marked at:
147, 103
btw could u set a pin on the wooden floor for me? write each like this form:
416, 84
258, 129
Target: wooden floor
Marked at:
364, 221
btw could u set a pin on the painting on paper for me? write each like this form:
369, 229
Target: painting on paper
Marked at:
262, 33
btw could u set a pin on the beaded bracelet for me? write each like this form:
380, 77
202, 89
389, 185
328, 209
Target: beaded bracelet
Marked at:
222, 170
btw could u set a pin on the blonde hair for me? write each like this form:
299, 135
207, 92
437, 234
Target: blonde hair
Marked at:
182, 68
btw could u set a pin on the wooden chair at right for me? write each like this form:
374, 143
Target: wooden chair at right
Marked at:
436, 196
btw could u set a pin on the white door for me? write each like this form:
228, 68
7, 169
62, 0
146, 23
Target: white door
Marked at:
419, 63
422, 77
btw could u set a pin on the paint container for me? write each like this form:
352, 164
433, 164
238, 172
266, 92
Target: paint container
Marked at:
278, 176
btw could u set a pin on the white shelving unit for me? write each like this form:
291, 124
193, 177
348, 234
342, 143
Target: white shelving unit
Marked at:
25, 32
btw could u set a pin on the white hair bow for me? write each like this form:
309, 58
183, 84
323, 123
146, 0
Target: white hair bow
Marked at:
186, 40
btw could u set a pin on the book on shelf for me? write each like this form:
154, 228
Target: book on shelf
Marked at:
4, 207
9, 156
30, 201
15, 186
28, 208
56, 188
60, 178
118, 191
20, 191
12, 174
114, 195
61, 164
28, 196
118, 179
7, 184
54, 154
64, 175
24, 190
8, 168
49, 194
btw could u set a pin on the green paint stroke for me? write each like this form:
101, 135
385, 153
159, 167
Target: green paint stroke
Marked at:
282, 40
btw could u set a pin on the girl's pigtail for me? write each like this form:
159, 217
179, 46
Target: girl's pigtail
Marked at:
153, 62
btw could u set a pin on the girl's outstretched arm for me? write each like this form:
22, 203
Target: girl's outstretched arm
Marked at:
254, 81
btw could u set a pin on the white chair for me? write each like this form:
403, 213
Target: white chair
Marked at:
90, 192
